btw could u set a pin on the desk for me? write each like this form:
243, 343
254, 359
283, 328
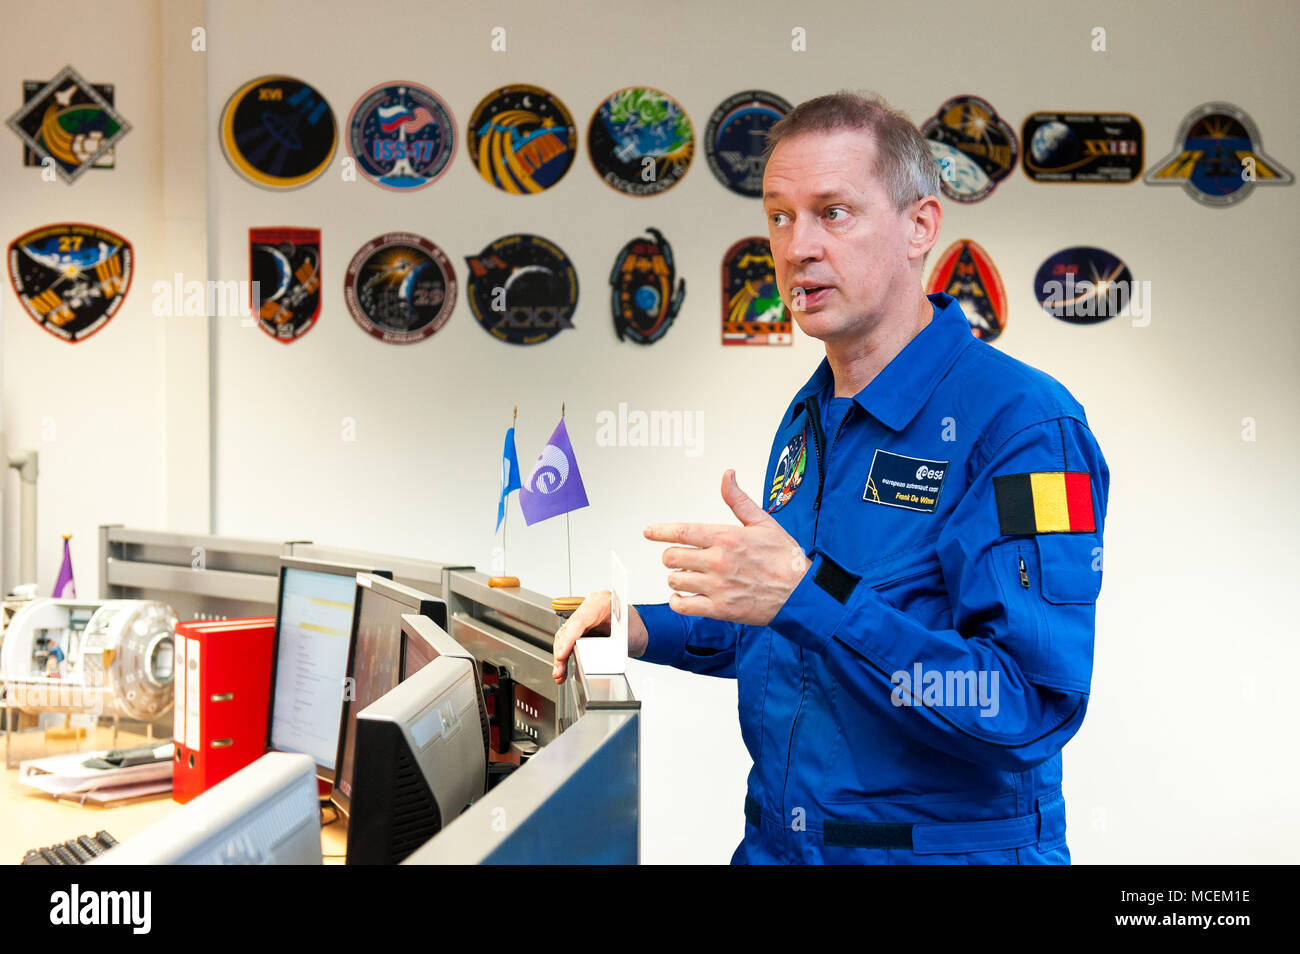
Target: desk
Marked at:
32, 819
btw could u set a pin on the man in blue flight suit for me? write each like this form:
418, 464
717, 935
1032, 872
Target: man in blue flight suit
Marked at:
910, 615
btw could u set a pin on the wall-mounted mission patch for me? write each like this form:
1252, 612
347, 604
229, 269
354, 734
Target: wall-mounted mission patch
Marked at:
966, 272
70, 121
734, 139
278, 132
402, 136
912, 483
643, 298
400, 288
1083, 285
789, 472
974, 147
522, 139
522, 289
1218, 157
752, 310
1082, 147
285, 264
641, 141
71, 278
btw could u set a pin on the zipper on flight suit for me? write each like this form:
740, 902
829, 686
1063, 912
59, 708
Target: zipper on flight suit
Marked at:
819, 438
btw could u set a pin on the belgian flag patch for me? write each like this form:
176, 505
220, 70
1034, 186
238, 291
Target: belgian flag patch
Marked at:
1049, 502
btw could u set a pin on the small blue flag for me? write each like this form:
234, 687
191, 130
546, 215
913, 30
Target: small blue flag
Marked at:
509, 474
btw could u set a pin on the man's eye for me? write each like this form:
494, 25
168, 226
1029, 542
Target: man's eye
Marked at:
774, 216
834, 211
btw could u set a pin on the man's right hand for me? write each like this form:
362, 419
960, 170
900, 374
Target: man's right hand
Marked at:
593, 617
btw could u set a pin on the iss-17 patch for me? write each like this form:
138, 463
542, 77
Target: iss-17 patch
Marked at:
752, 310
966, 272
1083, 285
285, 264
278, 132
69, 121
1082, 147
522, 139
522, 289
71, 278
1218, 157
734, 139
643, 298
789, 472
912, 483
400, 288
641, 141
402, 136
974, 147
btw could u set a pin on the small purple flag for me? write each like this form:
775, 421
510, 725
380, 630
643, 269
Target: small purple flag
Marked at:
554, 486
65, 588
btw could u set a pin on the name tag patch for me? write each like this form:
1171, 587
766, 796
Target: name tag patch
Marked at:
912, 483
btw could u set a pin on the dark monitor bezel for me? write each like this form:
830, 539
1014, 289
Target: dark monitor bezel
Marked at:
420, 603
317, 566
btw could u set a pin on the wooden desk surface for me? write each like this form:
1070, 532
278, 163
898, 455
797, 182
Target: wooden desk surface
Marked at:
29, 818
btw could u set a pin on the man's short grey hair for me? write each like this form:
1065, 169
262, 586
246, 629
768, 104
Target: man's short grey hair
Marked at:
904, 163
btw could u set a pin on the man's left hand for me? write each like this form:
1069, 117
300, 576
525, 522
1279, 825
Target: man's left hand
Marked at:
742, 574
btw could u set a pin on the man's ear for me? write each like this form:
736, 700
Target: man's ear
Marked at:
927, 216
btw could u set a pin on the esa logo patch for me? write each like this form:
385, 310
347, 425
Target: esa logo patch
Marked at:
1218, 158
789, 472
966, 272
1082, 147
69, 121
522, 289
641, 141
285, 263
400, 288
402, 136
72, 278
734, 139
973, 146
522, 139
278, 132
752, 310
643, 298
912, 483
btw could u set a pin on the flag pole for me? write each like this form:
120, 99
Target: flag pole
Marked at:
504, 580
564, 606
568, 537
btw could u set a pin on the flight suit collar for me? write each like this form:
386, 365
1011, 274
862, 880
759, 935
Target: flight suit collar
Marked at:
898, 392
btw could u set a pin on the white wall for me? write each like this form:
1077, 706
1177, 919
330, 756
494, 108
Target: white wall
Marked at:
1185, 754
93, 410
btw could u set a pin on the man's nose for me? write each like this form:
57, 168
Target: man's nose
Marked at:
805, 241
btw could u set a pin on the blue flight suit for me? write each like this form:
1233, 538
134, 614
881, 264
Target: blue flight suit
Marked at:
909, 702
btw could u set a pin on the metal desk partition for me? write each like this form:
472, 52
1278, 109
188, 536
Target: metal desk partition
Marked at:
199, 576
578, 800
423, 575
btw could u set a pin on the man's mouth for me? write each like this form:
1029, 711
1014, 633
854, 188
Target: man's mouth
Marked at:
812, 294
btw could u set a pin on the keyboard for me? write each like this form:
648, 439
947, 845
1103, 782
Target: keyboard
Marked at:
74, 851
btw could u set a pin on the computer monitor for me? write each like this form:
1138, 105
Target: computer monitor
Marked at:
421, 753
376, 663
313, 636
266, 813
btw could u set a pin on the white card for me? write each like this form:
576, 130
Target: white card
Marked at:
604, 655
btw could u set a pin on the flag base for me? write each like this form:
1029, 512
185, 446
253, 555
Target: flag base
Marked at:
566, 605
504, 581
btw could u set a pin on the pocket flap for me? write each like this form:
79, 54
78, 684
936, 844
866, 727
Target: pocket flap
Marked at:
1066, 562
